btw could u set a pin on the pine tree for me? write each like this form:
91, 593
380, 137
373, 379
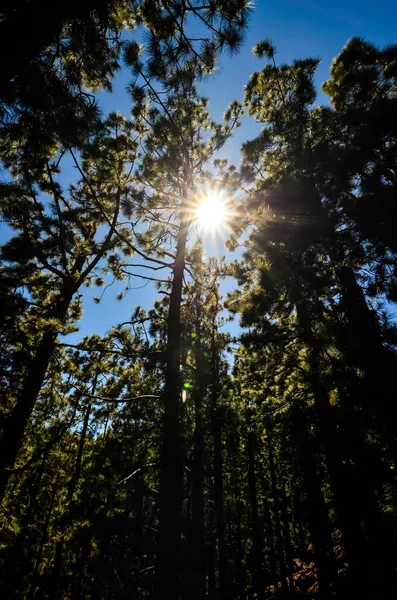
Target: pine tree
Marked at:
176, 153
166, 458
55, 252
306, 258
59, 57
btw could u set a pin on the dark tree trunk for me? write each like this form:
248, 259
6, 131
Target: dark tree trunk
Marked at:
216, 425
289, 555
317, 513
341, 473
33, 381
56, 575
35, 575
196, 579
19, 563
361, 342
256, 522
210, 556
361, 398
167, 563
240, 571
269, 530
277, 515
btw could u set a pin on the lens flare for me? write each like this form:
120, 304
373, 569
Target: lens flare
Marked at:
212, 211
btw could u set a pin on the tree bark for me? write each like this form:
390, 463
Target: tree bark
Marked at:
317, 513
210, 555
196, 579
270, 532
43, 538
361, 340
56, 574
277, 514
216, 425
167, 563
341, 473
33, 381
256, 523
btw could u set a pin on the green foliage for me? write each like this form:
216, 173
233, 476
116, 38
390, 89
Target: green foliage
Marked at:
257, 467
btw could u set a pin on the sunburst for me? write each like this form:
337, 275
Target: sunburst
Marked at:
212, 211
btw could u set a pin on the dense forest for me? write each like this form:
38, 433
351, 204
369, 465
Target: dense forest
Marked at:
172, 458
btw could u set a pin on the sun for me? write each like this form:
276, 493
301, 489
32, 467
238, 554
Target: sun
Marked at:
212, 211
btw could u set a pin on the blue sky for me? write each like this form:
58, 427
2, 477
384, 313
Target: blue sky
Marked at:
298, 28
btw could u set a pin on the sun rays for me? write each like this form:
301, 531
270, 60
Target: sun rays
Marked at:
212, 212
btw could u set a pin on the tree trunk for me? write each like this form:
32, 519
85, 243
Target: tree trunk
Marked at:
33, 381
370, 394
167, 563
210, 556
289, 555
361, 340
277, 521
240, 570
317, 513
56, 574
216, 424
270, 533
18, 566
35, 575
196, 580
256, 522
341, 473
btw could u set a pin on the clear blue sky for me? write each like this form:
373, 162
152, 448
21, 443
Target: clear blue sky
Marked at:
298, 28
